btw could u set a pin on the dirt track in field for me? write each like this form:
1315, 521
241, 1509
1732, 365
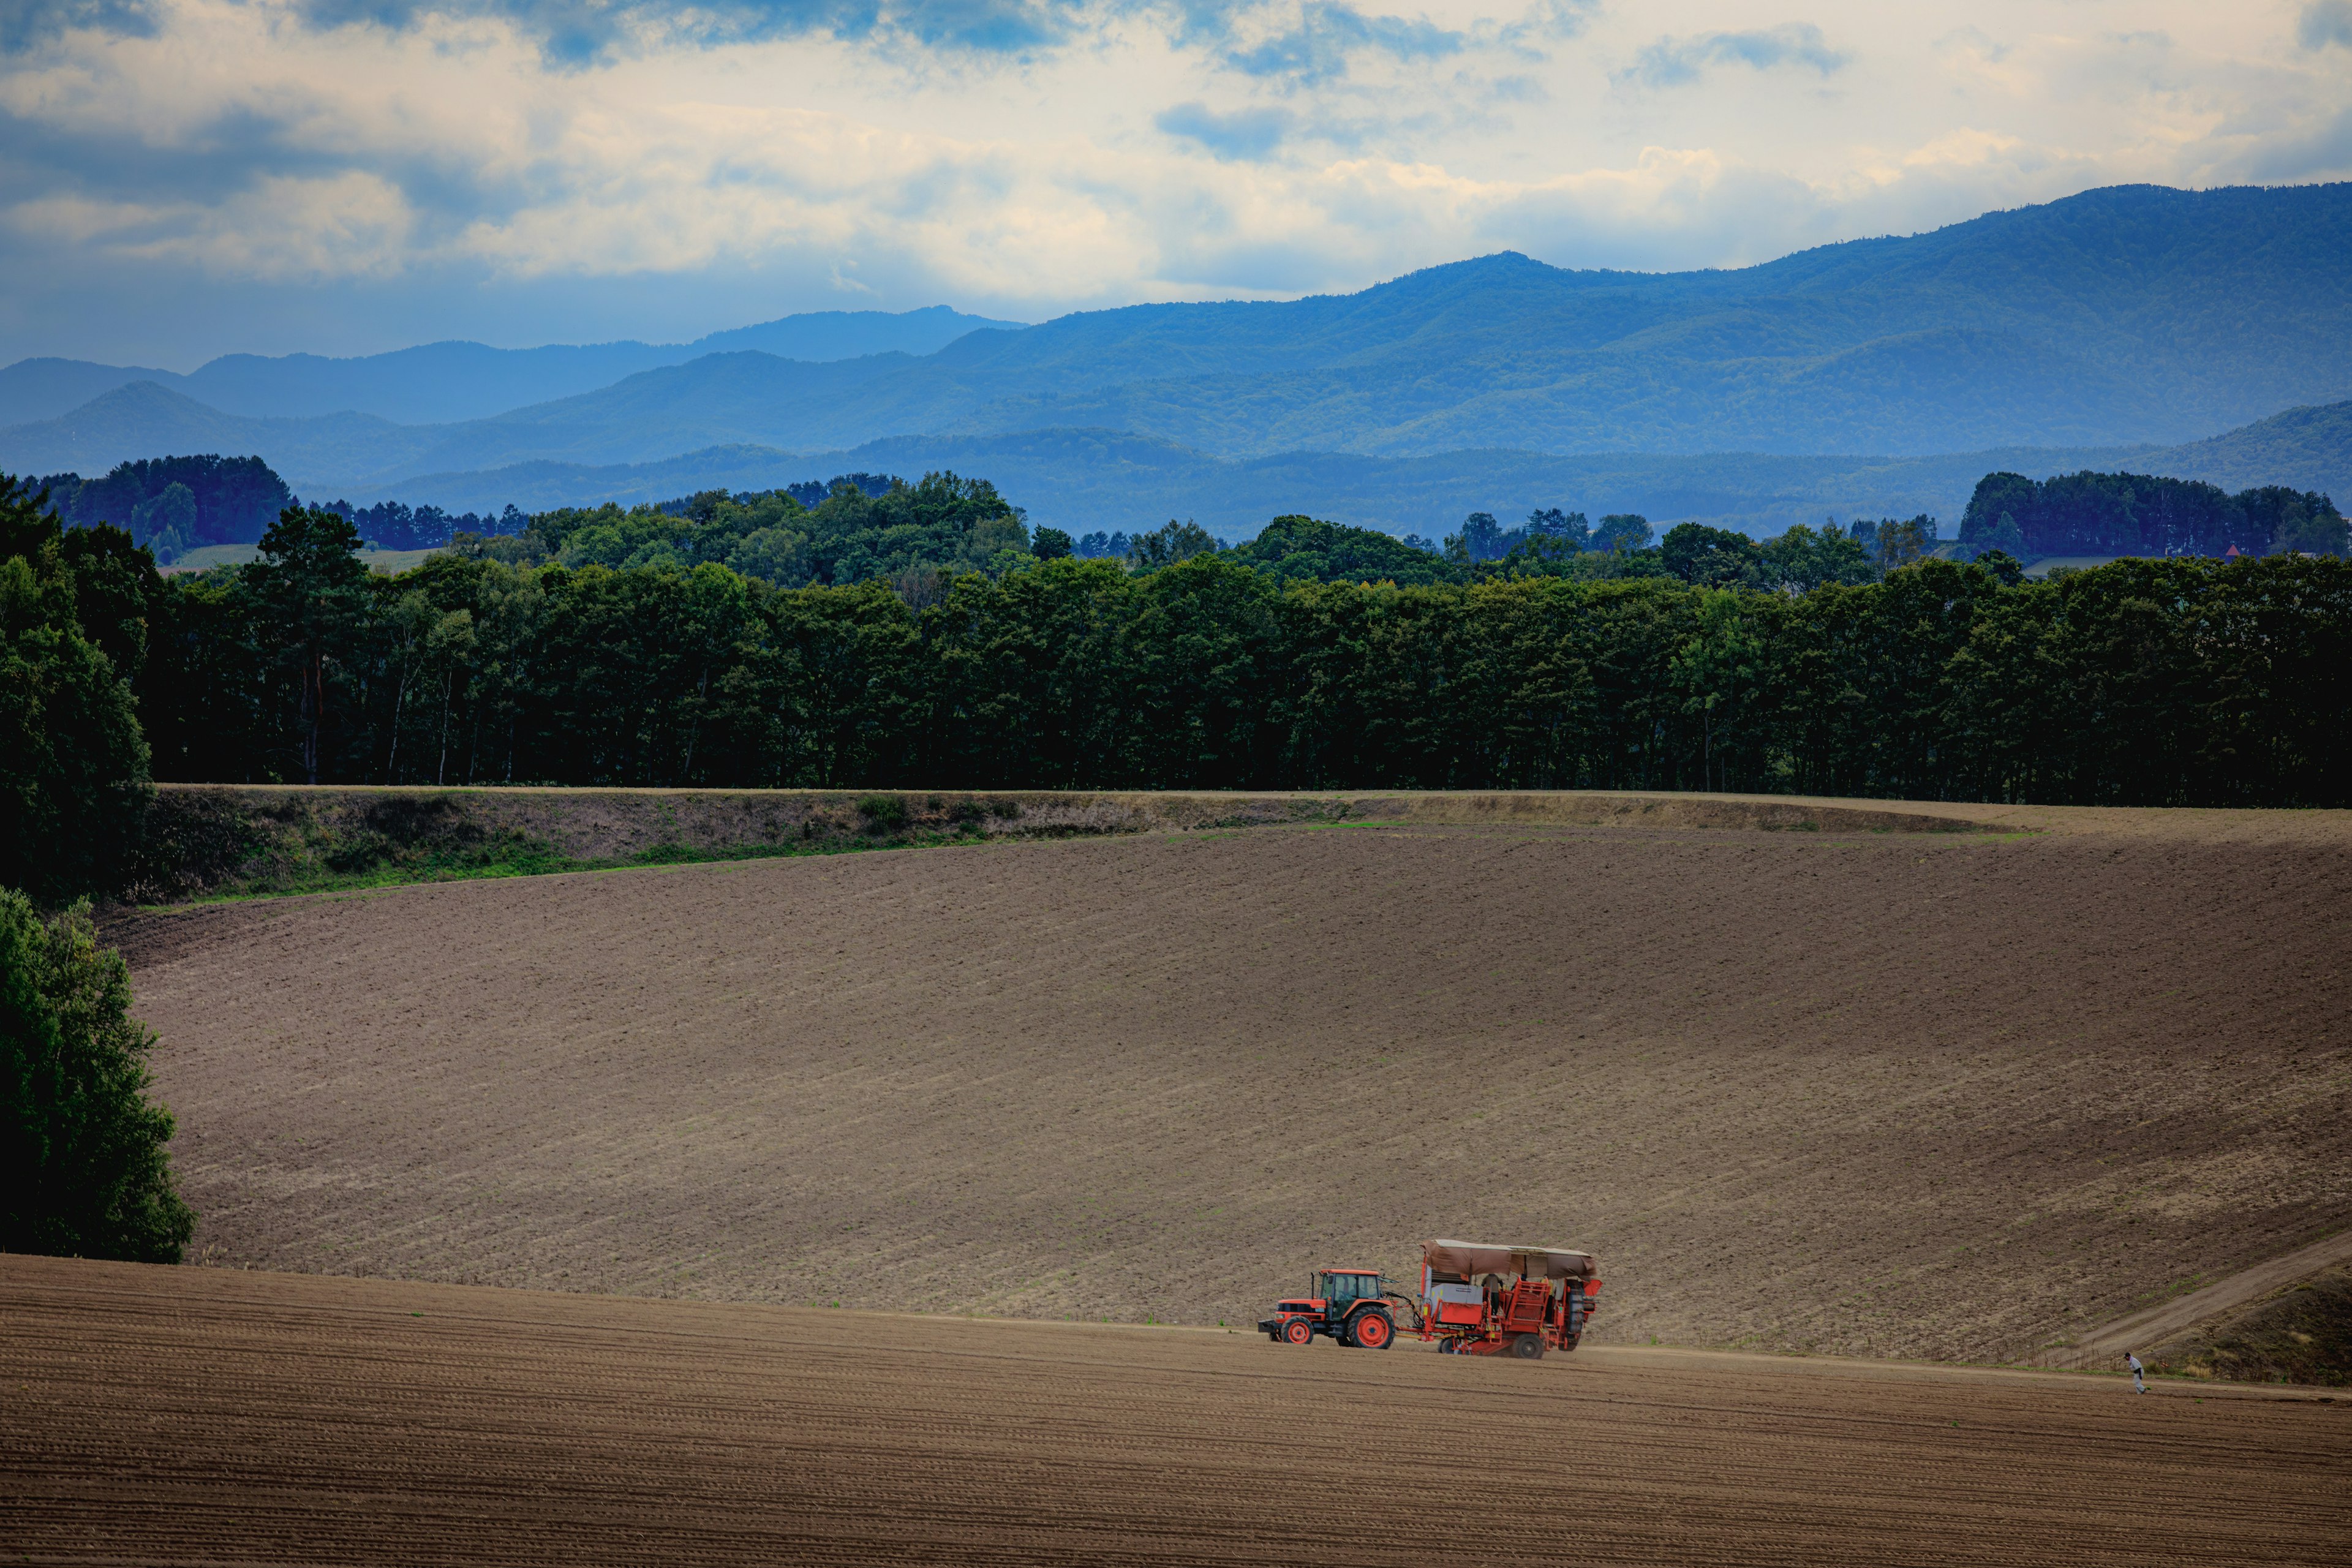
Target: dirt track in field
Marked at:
170, 1417
2176, 1315
1918, 1095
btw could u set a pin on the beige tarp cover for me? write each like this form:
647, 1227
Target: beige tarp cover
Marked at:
1528, 1262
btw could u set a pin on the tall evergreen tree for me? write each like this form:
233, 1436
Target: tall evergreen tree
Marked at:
309, 591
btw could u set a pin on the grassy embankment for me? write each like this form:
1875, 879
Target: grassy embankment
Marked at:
2301, 1334
215, 841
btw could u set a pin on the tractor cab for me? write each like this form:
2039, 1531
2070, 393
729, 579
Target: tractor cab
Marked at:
1340, 1286
1348, 1306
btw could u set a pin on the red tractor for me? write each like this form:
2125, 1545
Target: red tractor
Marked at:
1475, 1300
1348, 1306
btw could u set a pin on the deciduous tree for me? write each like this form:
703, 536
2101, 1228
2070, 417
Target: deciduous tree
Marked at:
83, 1170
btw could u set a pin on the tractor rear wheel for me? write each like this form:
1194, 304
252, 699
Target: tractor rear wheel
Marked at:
1298, 1332
1528, 1347
1373, 1331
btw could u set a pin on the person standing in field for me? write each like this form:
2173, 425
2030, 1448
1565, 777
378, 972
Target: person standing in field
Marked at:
2139, 1384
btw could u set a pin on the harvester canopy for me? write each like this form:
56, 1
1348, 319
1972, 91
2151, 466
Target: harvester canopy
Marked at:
1473, 1258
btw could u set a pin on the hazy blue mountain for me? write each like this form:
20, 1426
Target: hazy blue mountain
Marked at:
37, 389
2130, 315
446, 382
821, 336
717, 400
2133, 314
145, 420
2123, 317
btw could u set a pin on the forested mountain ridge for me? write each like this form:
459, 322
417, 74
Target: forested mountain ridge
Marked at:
2310, 448
444, 381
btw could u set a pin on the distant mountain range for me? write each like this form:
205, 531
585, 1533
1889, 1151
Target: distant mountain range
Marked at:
1084, 480
440, 383
2135, 325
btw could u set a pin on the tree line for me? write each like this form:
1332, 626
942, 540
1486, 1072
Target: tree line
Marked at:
395, 525
2153, 681
917, 537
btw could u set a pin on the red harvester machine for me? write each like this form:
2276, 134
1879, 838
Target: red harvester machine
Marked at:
1475, 1300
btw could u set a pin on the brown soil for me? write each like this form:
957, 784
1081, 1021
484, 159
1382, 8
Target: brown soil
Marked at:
182, 1416
1923, 1095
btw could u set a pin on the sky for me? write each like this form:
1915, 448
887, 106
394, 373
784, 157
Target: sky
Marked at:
183, 178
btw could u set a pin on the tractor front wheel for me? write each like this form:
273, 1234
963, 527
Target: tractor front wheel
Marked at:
1529, 1347
1373, 1331
1298, 1332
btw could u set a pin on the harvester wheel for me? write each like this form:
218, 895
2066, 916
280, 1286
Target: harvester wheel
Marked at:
1528, 1347
1298, 1332
1373, 1331
1568, 1341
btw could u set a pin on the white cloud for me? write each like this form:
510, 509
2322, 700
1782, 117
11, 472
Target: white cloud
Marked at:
280, 230
1131, 150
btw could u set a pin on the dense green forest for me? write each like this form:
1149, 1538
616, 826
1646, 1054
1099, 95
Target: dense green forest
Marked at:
175, 504
632, 648
2138, 514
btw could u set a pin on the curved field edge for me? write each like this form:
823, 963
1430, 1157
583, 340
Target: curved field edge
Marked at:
215, 841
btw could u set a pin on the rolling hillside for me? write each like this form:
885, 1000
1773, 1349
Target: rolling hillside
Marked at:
1942, 1094
2309, 449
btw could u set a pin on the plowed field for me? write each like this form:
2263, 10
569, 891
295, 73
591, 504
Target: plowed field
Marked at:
165, 1416
1919, 1094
